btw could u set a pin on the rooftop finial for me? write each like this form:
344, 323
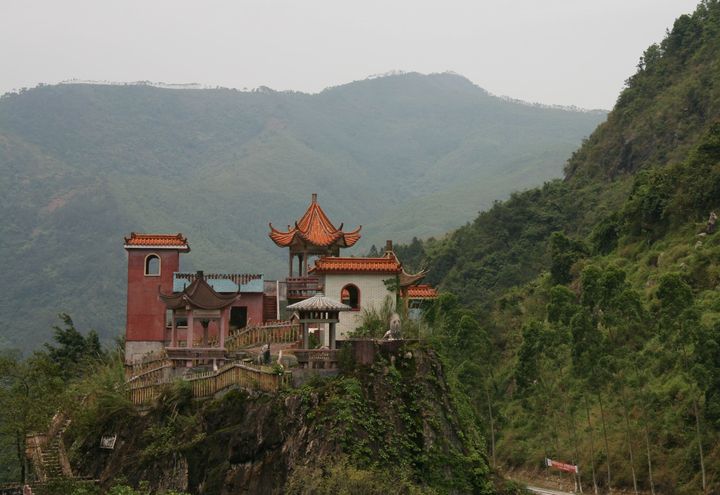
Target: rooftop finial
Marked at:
388, 246
314, 197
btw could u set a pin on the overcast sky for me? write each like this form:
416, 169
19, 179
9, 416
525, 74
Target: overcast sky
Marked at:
569, 52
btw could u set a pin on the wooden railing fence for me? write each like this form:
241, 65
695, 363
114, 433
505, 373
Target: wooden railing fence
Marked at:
209, 383
148, 363
152, 376
273, 333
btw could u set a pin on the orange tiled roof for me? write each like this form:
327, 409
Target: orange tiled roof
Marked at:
387, 264
174, 241
315, 228
423, 291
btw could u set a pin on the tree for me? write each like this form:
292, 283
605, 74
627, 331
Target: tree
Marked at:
73, 351
564, 252
29, 396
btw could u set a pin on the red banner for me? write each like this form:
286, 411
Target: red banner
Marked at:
568, 468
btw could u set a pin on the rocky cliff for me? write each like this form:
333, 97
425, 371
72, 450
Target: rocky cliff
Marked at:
395, 424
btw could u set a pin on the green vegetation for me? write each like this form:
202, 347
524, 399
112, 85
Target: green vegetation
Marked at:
597, 296
84, 165
32, 390
342, 478
397, 425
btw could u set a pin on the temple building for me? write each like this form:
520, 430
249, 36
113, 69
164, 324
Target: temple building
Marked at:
313, 235
157, 322
358, 282
189, 317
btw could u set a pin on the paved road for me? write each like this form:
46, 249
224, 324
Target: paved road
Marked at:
545, 491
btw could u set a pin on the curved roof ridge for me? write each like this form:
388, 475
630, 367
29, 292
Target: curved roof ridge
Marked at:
316, 228
199, 294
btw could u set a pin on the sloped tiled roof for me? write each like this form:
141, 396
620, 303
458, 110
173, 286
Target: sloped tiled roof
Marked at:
199, 295
407, 279
330, 264
423, 291
157, 241
315, 228
319, 302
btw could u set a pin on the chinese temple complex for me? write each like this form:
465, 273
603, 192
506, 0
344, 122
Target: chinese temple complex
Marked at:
192, 317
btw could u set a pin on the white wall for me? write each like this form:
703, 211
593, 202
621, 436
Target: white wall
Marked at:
372, 294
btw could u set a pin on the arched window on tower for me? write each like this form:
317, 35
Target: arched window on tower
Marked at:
152, 265
350, 295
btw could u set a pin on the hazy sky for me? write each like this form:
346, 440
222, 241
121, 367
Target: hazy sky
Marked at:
570, 52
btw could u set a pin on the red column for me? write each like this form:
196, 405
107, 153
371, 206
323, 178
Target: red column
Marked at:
223, 326
190, 324
173, 330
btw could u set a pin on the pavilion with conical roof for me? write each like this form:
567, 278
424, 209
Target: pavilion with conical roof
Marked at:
313, 235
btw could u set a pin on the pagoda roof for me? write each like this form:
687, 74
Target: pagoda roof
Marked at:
198, 295
315, 228
423, 291
157, 241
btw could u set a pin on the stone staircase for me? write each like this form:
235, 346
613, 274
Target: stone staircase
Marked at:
50, 457
46, 452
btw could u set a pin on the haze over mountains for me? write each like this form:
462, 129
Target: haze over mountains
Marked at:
83, 165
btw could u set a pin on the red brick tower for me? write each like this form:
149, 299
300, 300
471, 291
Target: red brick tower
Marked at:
152, 260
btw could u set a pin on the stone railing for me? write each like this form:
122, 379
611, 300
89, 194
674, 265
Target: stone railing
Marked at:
209, 383
317, 358
283, 332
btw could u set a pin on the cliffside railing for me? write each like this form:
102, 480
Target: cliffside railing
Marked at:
209, 383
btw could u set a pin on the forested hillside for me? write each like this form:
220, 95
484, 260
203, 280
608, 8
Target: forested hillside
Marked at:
598, 295
83, 165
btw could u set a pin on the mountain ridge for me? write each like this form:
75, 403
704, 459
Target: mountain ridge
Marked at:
84, 165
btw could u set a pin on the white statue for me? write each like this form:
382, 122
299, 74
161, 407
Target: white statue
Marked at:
395, 326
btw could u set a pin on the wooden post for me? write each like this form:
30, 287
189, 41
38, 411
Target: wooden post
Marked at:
290, 263
306, 336
332, 335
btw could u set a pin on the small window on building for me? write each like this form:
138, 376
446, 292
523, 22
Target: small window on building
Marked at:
152, 265
350, 295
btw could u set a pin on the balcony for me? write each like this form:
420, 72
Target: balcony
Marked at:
302, 287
